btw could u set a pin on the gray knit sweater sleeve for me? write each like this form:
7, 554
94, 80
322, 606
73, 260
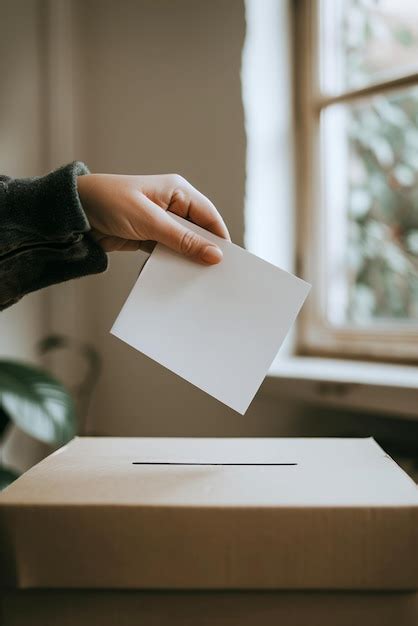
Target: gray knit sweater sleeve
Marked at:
44, 233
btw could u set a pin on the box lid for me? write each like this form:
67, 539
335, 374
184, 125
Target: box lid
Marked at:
212, 513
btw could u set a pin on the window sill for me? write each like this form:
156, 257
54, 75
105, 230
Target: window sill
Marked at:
384, 388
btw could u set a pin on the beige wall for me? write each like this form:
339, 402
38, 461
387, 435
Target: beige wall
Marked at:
22, 153
158, 90
140, 86
21, 147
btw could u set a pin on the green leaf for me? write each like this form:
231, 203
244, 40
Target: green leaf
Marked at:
6, 477
37, 403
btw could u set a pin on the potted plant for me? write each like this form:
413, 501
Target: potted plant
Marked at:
38, 404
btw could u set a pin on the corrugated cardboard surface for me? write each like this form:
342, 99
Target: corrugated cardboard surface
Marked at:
130, 608
335, 514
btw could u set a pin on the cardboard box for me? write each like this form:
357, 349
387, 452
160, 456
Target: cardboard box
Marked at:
288, 515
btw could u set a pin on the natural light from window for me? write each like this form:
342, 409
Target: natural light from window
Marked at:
370, 162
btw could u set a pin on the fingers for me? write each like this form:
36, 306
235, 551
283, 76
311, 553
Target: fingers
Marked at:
205, 214
186, 241
117, 244
188, 202
147, 246
130, 246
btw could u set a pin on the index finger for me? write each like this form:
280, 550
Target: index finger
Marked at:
191, 204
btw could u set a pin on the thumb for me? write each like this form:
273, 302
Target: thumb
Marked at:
187, 242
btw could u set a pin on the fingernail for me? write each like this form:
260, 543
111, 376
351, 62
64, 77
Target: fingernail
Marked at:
211, 255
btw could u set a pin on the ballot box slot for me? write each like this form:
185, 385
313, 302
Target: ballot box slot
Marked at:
217, 464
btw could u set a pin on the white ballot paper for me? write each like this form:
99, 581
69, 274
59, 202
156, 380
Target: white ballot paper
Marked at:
218, 327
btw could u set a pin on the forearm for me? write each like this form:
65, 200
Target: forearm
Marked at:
44, 235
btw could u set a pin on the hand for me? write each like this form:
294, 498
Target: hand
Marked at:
124, 211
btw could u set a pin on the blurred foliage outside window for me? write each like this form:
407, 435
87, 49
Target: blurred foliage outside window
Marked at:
374, 40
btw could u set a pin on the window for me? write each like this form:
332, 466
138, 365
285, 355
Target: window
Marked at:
356, 81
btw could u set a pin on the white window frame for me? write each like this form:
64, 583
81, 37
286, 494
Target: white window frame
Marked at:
316, 337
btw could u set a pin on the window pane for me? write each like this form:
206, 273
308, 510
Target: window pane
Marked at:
370, 180
365, 41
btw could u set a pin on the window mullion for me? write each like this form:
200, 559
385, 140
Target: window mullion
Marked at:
366, 92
